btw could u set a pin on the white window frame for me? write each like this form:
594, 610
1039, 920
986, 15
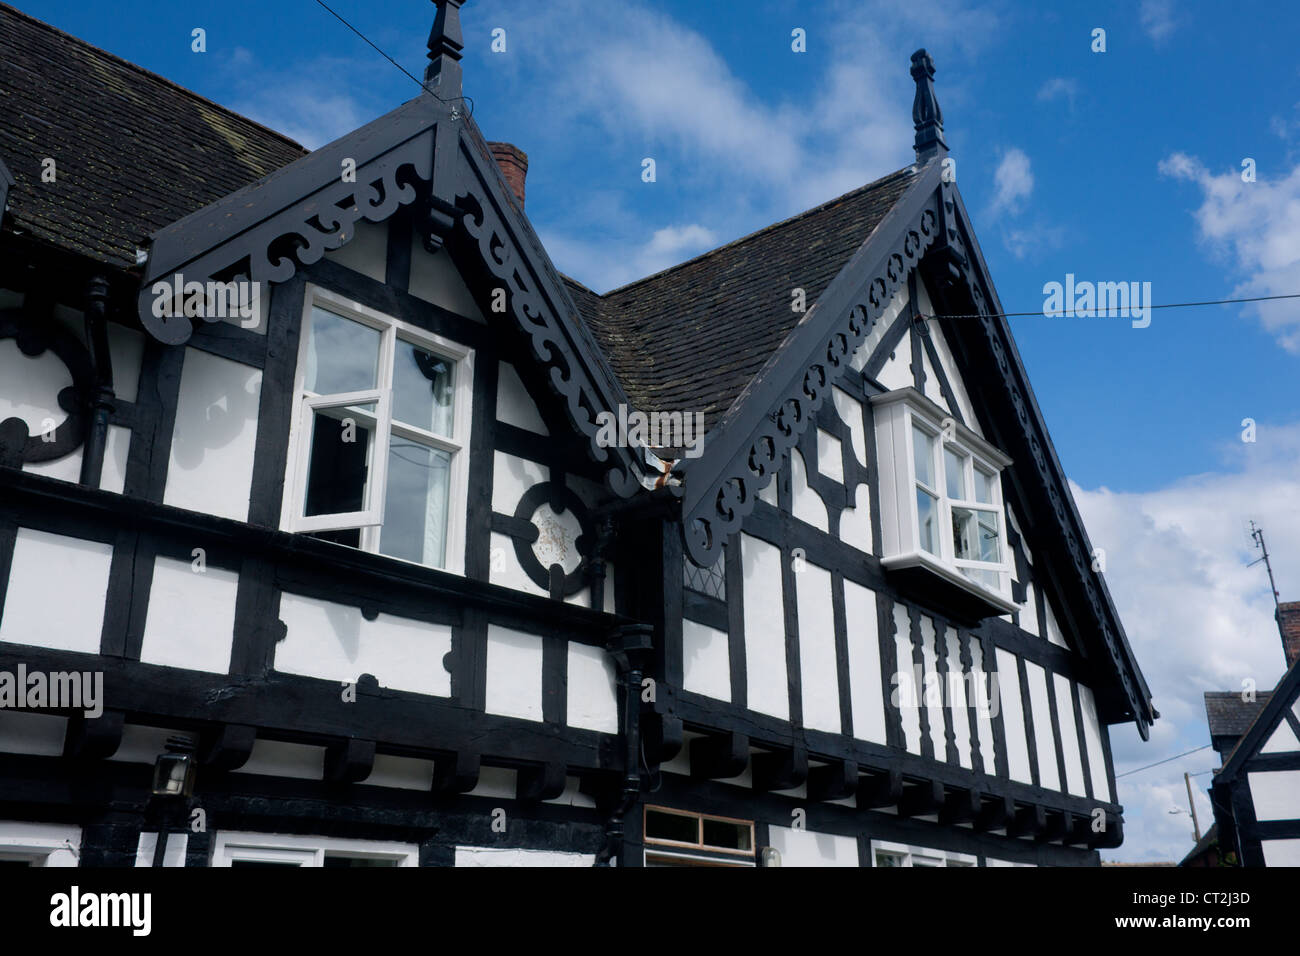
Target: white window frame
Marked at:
919, 856
896, 412
41, 844
309, 851
370, 520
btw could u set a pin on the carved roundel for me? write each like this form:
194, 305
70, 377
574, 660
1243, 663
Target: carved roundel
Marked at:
33, 338
561, 533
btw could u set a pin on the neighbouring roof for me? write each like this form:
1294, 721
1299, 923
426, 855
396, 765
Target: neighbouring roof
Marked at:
1229, 715
690, 338
132, 150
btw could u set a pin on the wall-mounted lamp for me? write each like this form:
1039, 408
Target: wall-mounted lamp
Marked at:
173, 771
770, 856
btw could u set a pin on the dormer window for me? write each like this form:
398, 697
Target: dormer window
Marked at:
941, 504
377, 454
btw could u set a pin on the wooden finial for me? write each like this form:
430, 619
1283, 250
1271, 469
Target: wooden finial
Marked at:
445, 45
926, 115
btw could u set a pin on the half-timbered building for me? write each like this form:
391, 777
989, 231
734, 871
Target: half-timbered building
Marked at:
343, 491
1256, 793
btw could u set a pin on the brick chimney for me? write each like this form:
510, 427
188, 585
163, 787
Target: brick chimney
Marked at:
1288, 622
513, 163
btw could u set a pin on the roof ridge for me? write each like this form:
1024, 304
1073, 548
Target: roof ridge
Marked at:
758, 232
9, 8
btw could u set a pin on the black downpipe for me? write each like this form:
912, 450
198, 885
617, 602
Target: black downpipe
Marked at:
102, 396
629, 647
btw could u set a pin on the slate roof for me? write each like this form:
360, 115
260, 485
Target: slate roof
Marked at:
691, 337
1229, 715
133, 151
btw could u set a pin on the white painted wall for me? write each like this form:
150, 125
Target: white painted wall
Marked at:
30, 733
830, 456
909, 688
897, 371
1052, 630
987, 701
211, 466
855, 522
934, 708
706, 662
765, 670
335, 642
1069, 736
1282, 740
807, 848
1013, 718
366, 252
850, 411
173, 852
1276, 794
514, 405
495, 856
514, 673
949, 364
818, 666
142, 743
126, 351
56, 593
404, 773
1048, 775
869, 345
116, 447
865, 689
31, 386
191, 617
1092, 736
593, 689
275, 758
805, 504
1281, 852
956, 699
434, 278
58, 843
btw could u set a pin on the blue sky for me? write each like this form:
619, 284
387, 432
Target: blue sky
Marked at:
1115, 166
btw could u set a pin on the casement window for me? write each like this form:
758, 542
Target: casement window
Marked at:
261, 850
941, 498
897, 854
682, 838
380, 432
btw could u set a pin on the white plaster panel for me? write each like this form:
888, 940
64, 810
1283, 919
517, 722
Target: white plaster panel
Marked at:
173, 852
1069, 736
405, 773
806, 504
865, 688
514, 673
830, 460
850, 411
1282, 740
275, 758
1281, 852
933, 391
818, 667
499, 782
22, 732
190, 622
335, 642
855, 522
1276, 794
116, 447
706, 660
1029, 612
1092, 736
956, 698
868, 347
31, 386
897, 371
934, 708
768, 493
126, 351
1048, 775
987, 703
434, 279
511, 477
366, 252
949, 363
496, 856
67, 468
1054, 633
59, 843
765, 669
514, 405
57, 587
142, 743
1013, 718
808, 848
593, 699
211, 466
907, 684
504, 567
572, 795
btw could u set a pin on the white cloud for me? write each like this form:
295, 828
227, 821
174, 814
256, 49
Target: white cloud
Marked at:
1157, 19
1197, 616
1256, 227
1058, 87
1013, 182
1024, 242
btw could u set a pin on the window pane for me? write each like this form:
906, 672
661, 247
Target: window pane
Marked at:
926, 513
888, 859
726, 835
954, 470
342, 355
338, 468
349, 861
415, 508
422, 393
983, 487
923, 456
988, 532
990, 579
256, 864
672, 826
963, 535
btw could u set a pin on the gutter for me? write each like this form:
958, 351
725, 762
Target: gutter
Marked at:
102, 395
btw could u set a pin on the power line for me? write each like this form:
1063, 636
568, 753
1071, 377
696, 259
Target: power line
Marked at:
1061, 314
1159, 762
418, 82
